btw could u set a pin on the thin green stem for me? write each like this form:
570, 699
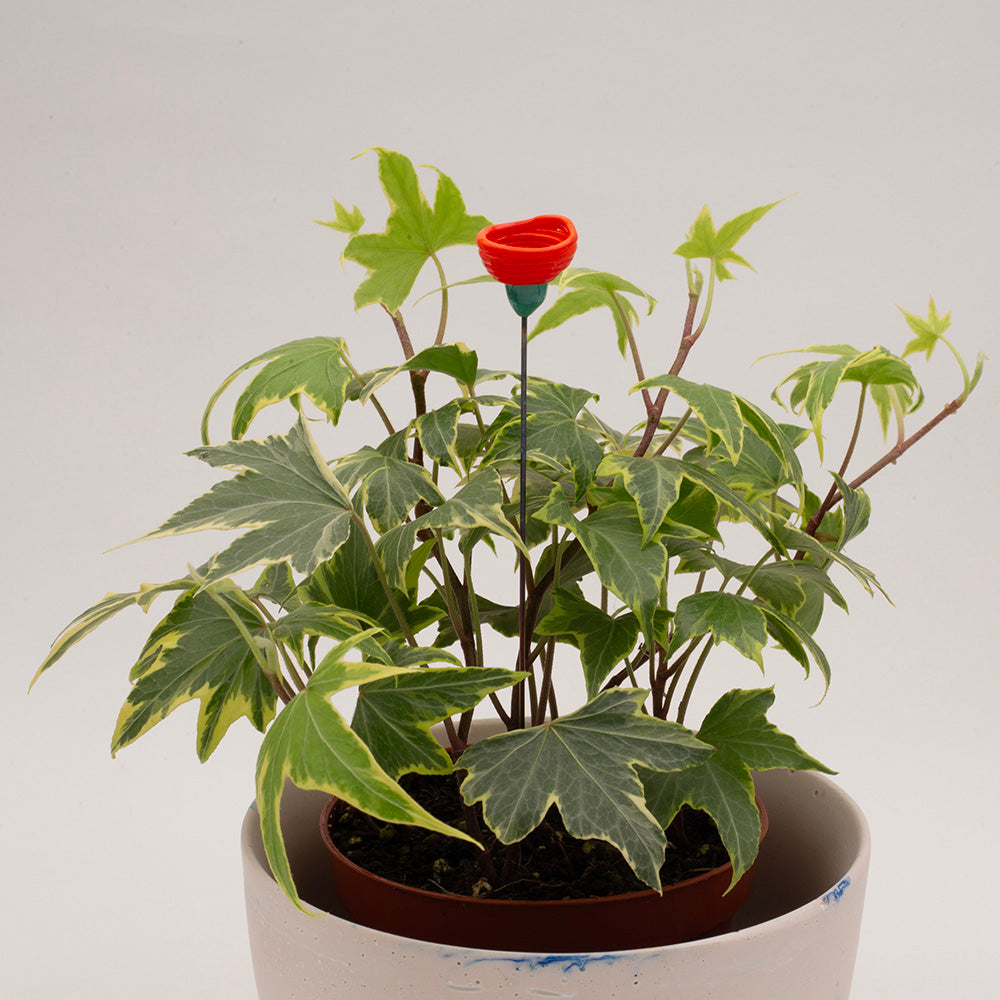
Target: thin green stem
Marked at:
386, 422
674, 431
692, 680
675, 670
278, 683
443, 321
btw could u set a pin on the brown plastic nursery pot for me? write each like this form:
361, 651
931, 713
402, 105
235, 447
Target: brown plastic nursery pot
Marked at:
695, 908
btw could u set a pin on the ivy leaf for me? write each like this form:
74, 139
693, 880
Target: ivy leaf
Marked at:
796, 640
390, 487
312, 744
738, 722
796, 538
612, 537
200, 651
456, 360
928, 331
603, 640
556, 438
584, 763
314, 367
650, 481
705, 242
594, 290
438, 433
723, 788
856, 509
350, 580
394, 715
106, 608
295, 508
654, 486
414, 232
815, 383
477, 505
717, 409
737, 727
345, 222
728, 617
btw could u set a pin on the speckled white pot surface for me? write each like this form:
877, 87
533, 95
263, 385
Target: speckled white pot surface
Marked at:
796, 938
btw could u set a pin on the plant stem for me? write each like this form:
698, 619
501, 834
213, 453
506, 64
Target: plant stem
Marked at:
674, 671
443, 321
674, 431
401, 332
889, 458
632, 346
688, 338
386, 422
692, 680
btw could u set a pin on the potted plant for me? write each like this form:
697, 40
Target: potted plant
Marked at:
637, 551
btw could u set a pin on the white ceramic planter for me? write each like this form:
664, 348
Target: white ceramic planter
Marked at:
795, 939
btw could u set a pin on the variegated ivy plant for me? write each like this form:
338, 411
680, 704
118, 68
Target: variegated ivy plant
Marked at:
374, 565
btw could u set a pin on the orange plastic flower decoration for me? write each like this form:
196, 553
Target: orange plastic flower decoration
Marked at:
529, 252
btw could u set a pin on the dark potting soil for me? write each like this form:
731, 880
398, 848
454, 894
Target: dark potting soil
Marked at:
548, 864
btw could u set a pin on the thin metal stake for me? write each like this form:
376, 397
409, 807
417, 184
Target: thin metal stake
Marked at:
523, 525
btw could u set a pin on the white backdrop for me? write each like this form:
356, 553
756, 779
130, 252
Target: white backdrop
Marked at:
162, 165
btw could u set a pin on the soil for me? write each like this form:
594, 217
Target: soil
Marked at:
548, 864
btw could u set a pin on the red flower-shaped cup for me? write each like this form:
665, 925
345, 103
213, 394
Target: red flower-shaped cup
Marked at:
529, 252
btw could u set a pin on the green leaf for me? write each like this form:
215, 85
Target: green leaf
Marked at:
295, 508
717, 409
390, 487
344, 221
438, 433
556, 438
775, 437
350, 580
311, 744
603, 640
737, 727
200, 652
928, 331
649, 480
728, 617
738, 722
796, 641
106, 608
815, 384
856, 509
653, 485
455, 360
394, 715
794, 538
612, 537
322, 619
476, 505
704, 242
723, 788
314, 367
414, 232
594, 290
583, 763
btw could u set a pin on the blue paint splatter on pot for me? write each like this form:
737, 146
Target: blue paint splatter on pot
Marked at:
837, 892
565, 963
